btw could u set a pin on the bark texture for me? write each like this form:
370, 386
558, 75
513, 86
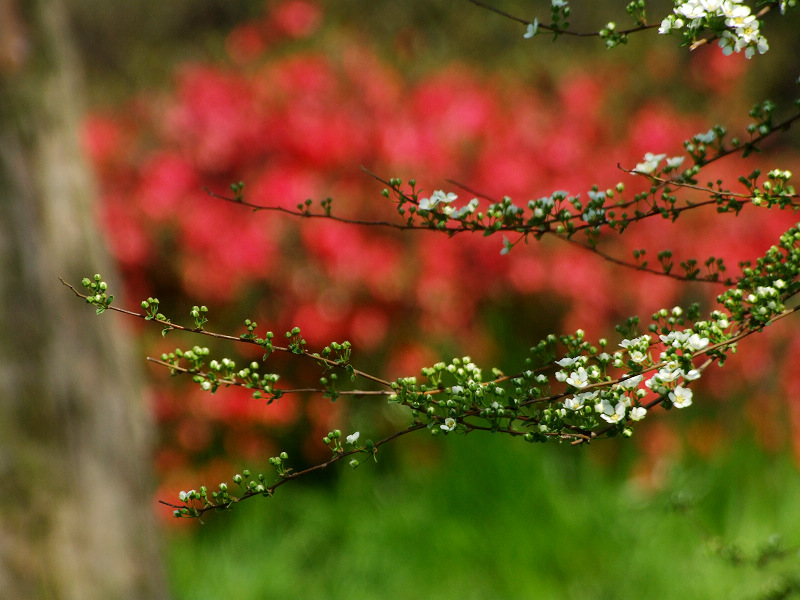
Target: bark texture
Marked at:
74, 431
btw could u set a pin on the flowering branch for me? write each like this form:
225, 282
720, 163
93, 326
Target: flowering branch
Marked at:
602, 395
699, 22
562, 216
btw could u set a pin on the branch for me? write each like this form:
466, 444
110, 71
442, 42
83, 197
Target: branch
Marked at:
557, 30
530, 404
169, 326
251, 489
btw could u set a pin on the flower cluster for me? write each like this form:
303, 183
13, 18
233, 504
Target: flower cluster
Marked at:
593, 398
591, 395
737, 28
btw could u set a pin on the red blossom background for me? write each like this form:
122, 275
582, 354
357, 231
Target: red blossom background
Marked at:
298, 124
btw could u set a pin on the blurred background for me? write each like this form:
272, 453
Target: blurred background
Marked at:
113, 118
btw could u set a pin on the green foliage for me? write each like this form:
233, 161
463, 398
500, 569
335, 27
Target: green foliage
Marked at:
509, 523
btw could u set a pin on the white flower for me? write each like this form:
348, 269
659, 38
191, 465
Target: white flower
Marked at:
631, 382
691, 10
578, 400
437, 197
558, 3
655, 384
681, 397
675, 162
762, 46
714, 6
592, 215
691, 375
737, 15
676, 339
574, 403
613, 414
668, 375
579, 378
638, 413
568, 362
706, 137
644, 340
669, 24
449, 424
533, 28
650, 163
353, 437
695, 342
465, 210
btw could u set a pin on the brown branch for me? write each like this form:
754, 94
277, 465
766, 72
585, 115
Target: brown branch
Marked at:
308, 215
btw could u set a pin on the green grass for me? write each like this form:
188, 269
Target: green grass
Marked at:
504, 520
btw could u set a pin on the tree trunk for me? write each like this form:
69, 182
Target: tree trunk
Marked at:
77, 521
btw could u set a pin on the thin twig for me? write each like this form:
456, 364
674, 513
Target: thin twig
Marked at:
557, 30
242, 340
